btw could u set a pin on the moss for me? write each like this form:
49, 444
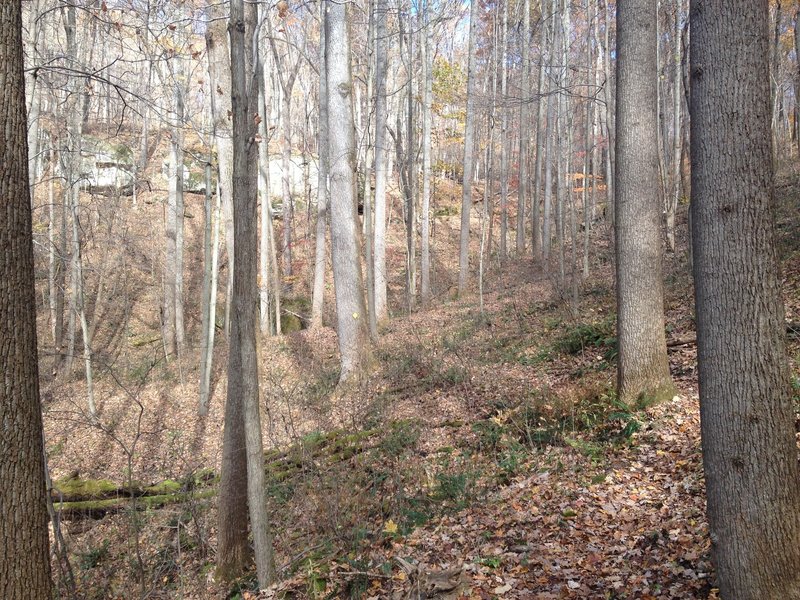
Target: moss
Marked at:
165, 487
74, 487
98, 507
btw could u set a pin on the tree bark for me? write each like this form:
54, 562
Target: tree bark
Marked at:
747, 419
320, 256
24, 543
381, 167
345, 244
219, 74
643, 372
469, 132
427, 122
524, 141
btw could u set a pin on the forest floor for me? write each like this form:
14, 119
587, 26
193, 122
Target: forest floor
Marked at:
486, 455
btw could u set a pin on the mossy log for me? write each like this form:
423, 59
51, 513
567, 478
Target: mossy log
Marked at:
74, 497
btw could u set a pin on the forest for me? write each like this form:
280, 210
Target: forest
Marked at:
403, 299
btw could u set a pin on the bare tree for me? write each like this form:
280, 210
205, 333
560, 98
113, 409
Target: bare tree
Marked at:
320, 256
242, 479
469, 143
381, 170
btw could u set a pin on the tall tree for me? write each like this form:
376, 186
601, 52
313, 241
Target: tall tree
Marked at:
381, 170
469, 143
643, 371
24, 543
242, 478
427, 122
219, 75
524, 142
749, 448
320, 253
345, 243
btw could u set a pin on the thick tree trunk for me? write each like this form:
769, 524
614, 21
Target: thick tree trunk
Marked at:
24, 546
233, 550
643, 373
469, 133
749, 449
345, 244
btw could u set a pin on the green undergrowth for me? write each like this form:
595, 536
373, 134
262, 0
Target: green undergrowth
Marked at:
575, 339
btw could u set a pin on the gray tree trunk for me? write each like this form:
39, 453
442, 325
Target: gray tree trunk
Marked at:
505, 138
541, 128
643, 372
427, 121
369, 221
345, 244
320, 256
24, 544
381, 167
243, 390
677, 138
219, 74
209, 300
524, 141
469, 132
749, 449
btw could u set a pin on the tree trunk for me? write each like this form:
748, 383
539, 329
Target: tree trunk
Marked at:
269, 319
369, 221
552, 101
243, 389
381, 167
209, 301
524, 141
643, 373
219, 74
24, 544
410, 168
536, 200
469, 132
320, 256
427, 121
345, 243
505, 137
677, 106
749, 450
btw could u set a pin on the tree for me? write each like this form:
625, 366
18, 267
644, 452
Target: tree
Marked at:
219, 75
320, 249
524, 142
749, 449
469, 133
242, 482
24, 543
345, 244
643, 372
381, 172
